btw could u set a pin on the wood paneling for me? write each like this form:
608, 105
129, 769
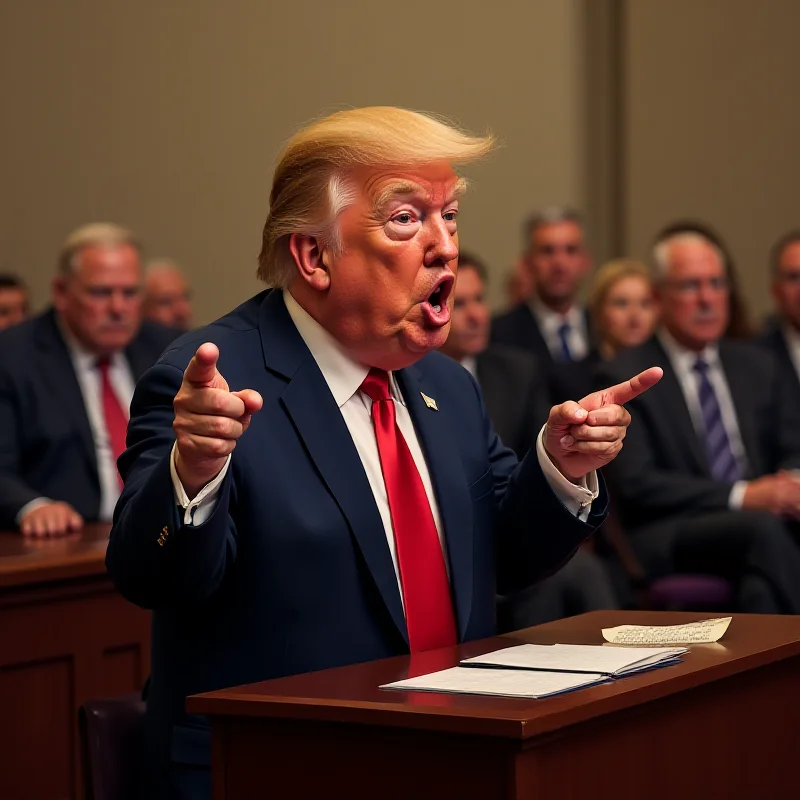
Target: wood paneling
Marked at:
66, 636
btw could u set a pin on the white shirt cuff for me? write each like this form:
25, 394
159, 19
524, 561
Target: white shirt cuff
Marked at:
197, 510
577, 498
31, 505
736, 497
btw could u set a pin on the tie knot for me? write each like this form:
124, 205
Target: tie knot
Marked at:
376, 385
103, 363
701, 366
564, 328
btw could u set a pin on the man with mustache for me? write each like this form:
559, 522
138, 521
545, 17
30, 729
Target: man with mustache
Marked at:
308, 483
66, 382
704, 483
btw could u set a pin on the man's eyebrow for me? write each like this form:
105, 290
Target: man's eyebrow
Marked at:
408, 188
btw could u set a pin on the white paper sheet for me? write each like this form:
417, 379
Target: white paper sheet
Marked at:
578, 658
704, 632
502, 682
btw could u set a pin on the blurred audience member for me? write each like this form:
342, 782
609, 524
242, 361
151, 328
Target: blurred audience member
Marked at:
511, 382
516, 398
167, 297
701, 478
519, 284
13, 300
739, 325
623, 314
784, 338
66, 382
552, 325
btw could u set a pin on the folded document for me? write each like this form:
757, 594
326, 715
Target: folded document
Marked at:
581, 658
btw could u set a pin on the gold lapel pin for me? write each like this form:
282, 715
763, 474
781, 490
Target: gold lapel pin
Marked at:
429, 401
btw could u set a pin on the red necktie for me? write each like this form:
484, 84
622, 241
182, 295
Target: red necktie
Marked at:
426, 592
113, 413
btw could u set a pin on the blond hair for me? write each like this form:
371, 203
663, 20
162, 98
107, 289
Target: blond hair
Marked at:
310, 187
608, 276
95, 234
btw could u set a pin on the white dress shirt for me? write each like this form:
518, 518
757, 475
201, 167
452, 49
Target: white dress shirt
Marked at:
683, 361
550, 321
123, 383
792, 338
344, 376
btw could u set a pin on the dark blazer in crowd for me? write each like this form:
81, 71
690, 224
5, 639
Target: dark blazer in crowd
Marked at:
46, 444
575, 380
775, 341
515, 392
663, 469
519, 328
292, 571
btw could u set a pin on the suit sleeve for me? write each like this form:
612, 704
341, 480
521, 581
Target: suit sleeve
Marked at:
154, 559
535, 534
641, 479
14, 492
787, 430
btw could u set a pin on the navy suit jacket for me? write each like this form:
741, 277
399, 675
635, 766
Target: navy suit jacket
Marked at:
46, 444
292, 571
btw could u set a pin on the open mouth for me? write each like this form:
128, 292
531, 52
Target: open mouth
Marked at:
438, 297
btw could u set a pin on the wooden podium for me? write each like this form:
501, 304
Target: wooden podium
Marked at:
66, 636
723, 723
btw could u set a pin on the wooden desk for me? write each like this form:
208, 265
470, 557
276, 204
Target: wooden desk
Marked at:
66, 636
724, 723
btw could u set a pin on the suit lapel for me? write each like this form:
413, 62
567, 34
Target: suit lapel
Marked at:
437, 439
741, 388
673, 406
57, 366
311, 407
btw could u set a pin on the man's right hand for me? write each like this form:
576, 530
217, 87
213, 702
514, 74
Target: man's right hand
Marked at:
209, 418
779, 494
50, 518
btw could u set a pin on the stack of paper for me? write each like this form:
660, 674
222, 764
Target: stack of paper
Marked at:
534, 670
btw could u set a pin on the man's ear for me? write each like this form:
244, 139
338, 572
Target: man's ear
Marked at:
311, 261
59, 289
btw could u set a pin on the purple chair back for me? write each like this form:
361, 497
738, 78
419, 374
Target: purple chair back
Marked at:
690, 592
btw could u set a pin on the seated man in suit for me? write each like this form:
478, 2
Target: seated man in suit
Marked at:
307, 483
515, 394
167, 296
552, 325
13, 301
704, 481
784, 339
66, 382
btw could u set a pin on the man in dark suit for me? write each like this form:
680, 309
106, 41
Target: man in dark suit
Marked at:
553, 326
66, 381
784, 338
307, 484
512, 383
14, 304
704, 482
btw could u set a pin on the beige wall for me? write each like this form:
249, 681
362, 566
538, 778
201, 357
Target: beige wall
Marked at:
166, 116
712, 124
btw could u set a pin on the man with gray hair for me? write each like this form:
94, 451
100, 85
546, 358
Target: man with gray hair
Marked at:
705, 482
167, 297
552, 324
308, 483
66, 382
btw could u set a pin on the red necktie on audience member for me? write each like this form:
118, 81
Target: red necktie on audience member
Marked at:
426, 591
113, 413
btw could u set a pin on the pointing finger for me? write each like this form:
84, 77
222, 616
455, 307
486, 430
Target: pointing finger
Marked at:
203, 366
623, 392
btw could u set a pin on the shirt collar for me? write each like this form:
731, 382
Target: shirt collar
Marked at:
551, 320
82, 358
470, 364
343, 374
791, 334
684, 359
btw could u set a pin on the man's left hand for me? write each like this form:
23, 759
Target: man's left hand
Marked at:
584, 436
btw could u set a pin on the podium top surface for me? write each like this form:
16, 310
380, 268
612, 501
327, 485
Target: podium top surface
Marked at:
351, 694
27, 560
